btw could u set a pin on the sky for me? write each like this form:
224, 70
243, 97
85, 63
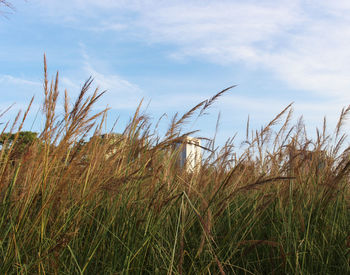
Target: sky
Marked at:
174, 54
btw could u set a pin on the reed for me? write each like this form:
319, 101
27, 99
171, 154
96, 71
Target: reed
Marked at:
121, 205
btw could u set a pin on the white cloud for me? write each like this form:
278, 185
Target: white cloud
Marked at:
12, 80
305, 47
304, 43
106, 26
121, 93
18, 90
317, 59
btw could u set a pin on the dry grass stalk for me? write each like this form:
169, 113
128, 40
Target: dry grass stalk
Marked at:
122, 192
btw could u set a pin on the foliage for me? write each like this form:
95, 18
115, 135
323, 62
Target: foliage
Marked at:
6, 4
24, 138
22, 141
124, 207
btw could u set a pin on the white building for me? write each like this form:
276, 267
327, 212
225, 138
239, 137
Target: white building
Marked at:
190, 154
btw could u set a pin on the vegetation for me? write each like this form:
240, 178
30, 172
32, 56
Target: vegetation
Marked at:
22, 141
125, 207
6, 4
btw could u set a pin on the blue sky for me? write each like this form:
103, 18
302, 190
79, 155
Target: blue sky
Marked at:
176, 53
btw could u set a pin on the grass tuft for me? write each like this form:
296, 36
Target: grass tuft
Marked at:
120, 203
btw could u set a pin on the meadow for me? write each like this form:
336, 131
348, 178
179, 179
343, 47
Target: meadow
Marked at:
73, 205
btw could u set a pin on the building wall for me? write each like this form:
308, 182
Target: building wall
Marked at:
190, 155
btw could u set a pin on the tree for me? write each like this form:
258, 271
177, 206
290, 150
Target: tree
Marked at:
24, 139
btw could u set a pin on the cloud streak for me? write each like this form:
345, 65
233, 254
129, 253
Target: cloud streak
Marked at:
121, 93
304, 43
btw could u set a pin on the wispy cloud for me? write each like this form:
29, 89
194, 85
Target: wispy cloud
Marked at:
304, 43
18, 90
121, 93
305, 47
9, 79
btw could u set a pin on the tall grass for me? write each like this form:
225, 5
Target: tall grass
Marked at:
122, 205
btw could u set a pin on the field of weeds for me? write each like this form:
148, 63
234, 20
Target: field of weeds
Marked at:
123, 205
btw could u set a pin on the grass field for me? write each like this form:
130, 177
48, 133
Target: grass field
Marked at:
124, 206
